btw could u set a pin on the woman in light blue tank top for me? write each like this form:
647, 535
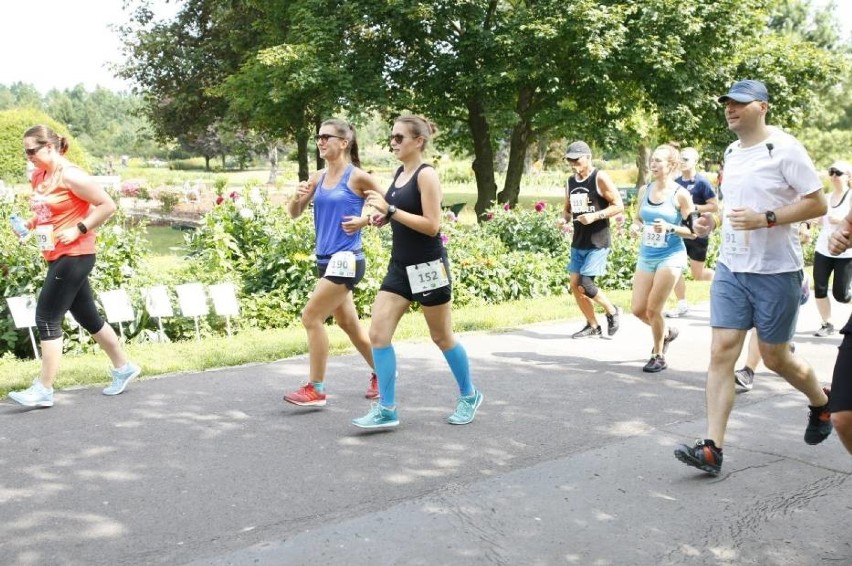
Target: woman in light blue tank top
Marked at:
338, 192
663, 204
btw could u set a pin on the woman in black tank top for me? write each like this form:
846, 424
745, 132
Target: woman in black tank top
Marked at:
418, 271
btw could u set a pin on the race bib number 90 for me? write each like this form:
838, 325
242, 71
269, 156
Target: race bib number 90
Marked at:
45, 237
341, 264
427, 276
651, 238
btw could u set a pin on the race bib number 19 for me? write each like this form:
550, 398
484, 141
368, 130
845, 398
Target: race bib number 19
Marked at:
427, 276
341, 264
45, 238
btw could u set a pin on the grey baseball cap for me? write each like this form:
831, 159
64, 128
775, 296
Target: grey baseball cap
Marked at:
746, 91
578, 149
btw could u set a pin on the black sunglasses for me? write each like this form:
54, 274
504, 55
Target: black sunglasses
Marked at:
325, 137
33, 150
835, 172
396, 138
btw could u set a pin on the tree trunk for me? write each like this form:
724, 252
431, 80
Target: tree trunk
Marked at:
483, 161
207, 163
643, 157
302, 151
272, 153
518, 149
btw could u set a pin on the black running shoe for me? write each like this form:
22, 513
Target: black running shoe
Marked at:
744, 378
819, 423
655, 364
670, 337
587, 331
612, 321
703, 455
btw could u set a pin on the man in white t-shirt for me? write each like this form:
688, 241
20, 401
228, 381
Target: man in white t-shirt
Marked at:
770, 185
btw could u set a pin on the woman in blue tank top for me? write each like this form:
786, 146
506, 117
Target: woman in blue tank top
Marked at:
338, 192
663, 204
418, 271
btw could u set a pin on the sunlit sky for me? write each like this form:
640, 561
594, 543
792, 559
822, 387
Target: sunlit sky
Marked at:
62, 43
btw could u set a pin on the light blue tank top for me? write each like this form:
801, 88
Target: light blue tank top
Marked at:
668, 210
331, 205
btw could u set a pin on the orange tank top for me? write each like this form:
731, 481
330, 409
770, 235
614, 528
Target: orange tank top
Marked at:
56, 210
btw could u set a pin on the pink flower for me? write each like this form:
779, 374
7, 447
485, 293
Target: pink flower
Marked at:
444, 239
540, 206
507, 206
234, 195
489, 215
450, 216
619, 219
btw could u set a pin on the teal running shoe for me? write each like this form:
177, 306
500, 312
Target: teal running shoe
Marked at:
378, 417
466, 409
36, 395
121, 378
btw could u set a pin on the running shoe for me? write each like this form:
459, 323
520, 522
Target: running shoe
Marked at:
744, 378
306, 396
378, 417
655, 364
827, 329
680, 311
466, 409
670, 337
819, 422
36, 395
121, 378
612, 321
703, 455
373, 389
587, 331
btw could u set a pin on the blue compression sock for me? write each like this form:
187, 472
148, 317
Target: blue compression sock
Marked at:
319, 386
457, 358
385, 361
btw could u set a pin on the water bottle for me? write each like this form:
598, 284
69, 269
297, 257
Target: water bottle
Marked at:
19, 225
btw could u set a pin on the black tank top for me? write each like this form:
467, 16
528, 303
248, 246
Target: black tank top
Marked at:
410, 246
596, 234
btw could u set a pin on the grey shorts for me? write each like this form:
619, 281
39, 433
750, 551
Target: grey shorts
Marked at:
767, 302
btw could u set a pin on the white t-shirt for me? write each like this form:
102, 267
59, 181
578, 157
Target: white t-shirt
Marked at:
840, 211
765, 176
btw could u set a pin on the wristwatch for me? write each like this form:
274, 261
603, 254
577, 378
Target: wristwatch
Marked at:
391, 211
770, 219
82, 228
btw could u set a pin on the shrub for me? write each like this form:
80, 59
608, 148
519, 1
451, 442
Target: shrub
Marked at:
13, 124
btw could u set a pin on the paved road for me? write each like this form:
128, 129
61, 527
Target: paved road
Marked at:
569, 462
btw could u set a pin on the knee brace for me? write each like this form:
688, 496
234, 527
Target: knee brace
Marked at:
588, 285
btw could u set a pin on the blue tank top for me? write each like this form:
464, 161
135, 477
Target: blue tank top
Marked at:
330, 206
668, 210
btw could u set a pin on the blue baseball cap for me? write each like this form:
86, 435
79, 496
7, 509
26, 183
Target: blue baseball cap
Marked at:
746, 91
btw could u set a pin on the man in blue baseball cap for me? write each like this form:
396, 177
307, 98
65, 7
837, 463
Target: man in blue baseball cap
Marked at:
770, 185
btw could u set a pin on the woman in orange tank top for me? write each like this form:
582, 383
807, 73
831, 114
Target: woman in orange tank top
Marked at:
67, 205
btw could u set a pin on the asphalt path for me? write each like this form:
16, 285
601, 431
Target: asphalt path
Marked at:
569, 461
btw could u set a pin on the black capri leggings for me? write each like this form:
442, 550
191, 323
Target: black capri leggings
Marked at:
66, 288
842, 267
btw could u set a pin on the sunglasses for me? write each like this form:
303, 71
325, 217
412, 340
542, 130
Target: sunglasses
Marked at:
835, 172
397, 138
325, 137
33, 150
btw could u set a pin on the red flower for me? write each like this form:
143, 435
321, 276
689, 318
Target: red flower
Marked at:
489, 215
507, 206
540, 206
220, 199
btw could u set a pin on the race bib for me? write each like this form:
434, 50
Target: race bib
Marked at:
341, 264
579, 203
651, 238
427, 276
45, 237
735, 242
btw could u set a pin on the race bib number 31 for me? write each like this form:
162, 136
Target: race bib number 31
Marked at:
341, 264
427, 276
